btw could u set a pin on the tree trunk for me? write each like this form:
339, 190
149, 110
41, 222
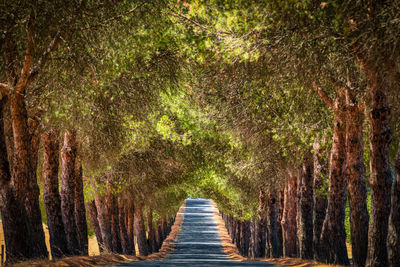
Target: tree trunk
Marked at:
252, 238
130, 230
245, 238
32, 194
164, 227
95, 224
126, 248
151, 232
320, 196
280, 216
298, 211
355, 177
21, 174
305, 230
333, 236
14, 218
259, 243
80, 211
104, 222
394, 219
51, 195
237, 233
140, 230
289, 225
380, 179
115, 231
158, 237
272, 225
68, 155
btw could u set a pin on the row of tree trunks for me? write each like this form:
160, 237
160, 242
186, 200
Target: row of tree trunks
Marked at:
116, 222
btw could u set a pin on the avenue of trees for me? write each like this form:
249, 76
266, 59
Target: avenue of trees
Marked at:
286, 113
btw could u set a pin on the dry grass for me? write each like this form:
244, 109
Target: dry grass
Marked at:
232, 251
81, 261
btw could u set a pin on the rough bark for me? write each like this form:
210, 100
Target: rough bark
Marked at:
126, 248
130, 230
289, 225
394, 219
305, 230
320, 196
272, 225
164, 227
158, 236
95, 224
112, 206
80, 211
333, 236
104, 222
237, 233
280, 215
68, 156
380, 179
140, 230
355, 177
252, 238
51, 195
259, 243
22, 169
298, 211
14, 217
32, 194
245, 238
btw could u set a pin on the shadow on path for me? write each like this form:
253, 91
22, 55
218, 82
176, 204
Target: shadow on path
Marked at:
198, 241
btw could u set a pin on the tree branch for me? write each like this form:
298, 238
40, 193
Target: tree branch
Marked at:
323, 95
25, 72
112, 18
4, 89
44, 57
9, 55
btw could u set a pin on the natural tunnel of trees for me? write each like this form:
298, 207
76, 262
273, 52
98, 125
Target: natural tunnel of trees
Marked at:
286, 113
